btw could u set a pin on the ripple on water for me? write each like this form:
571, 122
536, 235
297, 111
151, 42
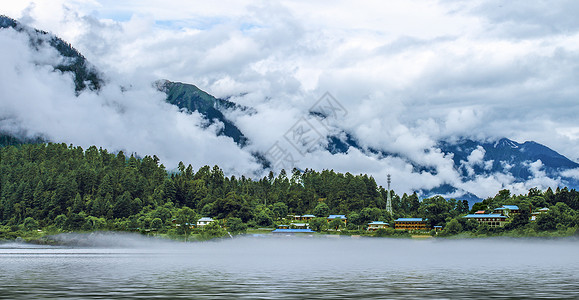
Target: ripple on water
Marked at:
261, 268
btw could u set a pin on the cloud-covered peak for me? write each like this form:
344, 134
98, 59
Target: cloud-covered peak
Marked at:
39, 100
410, 74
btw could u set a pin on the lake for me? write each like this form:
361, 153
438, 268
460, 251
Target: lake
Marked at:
117, 266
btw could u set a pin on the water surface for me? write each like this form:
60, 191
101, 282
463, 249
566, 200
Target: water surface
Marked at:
129, 267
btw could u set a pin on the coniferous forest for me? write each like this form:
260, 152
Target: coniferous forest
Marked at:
60, 188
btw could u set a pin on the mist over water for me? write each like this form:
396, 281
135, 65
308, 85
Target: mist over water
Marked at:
129, 266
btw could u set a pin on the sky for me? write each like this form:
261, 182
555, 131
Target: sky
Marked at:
406, 75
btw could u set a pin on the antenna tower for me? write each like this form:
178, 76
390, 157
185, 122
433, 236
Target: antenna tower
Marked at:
389, 197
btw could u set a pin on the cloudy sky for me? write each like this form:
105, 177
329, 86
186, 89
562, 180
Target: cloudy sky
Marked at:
408, 74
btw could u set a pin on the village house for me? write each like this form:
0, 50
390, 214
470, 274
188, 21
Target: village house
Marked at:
204, 221
507, 210
493, 220
293, 217
341, 217
299, 226
411, 224
301, 218
537, 213
373, 226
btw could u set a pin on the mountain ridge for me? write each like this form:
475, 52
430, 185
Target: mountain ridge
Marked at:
191, 98
471, 158
85, 75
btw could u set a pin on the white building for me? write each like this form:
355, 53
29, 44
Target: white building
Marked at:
204, 221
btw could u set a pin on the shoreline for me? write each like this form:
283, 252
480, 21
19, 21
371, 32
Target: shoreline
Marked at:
86, 238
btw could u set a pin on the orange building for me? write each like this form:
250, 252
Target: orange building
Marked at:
301, 218
411, 224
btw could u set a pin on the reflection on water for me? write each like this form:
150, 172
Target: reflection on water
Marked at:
290, 268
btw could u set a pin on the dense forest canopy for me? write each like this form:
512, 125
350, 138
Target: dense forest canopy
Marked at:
66, 187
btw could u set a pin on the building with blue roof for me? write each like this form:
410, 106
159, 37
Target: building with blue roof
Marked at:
373, 226
493, 220
409, 220
511, 207
411, 224
505, 210
341, 217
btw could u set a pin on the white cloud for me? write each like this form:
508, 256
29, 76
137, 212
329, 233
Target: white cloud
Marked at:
536, 168
409, 74
573, 173
462, 119
137, 120
475, 158
487, 186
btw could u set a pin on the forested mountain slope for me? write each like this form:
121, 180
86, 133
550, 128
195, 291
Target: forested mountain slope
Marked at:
67, 188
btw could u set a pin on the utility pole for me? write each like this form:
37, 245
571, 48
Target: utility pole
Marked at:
389, 197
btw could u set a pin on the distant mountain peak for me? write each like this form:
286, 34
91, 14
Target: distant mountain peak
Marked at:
506, 143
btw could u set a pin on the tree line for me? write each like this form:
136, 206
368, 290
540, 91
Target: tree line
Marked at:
70, 189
